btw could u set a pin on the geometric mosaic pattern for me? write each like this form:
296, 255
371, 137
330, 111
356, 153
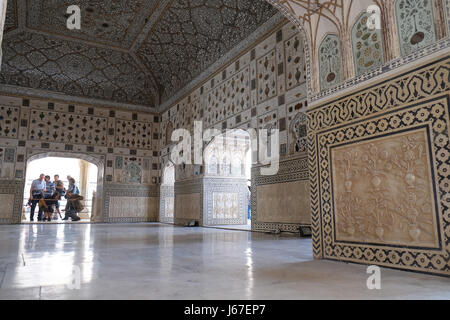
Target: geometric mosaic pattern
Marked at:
129, 52
9, 122
42, 62
392, 110
11, 22
67, 128
112, 22
193, 35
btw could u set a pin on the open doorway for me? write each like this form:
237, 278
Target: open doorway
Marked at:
85, 175
227, 181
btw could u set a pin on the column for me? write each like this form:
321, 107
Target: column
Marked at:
2, 24
83, 186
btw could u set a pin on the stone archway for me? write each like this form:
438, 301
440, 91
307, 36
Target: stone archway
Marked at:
96, 214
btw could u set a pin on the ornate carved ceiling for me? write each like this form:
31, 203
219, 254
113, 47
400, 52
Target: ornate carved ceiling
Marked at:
11, 16
135, 52
116, 23
193, 34
38, 61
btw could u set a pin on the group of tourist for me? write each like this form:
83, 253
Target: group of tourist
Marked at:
47, 194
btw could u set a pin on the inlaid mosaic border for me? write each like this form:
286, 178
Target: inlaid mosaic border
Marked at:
409, 92
215, 185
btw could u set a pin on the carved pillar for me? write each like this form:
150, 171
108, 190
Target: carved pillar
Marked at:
439, 19
2, 24
348, 65
390, 31
94, 206
83, 186
315, 75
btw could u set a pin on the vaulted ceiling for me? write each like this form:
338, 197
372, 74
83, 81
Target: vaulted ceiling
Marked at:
134, 52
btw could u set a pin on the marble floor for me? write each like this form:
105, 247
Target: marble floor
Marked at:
156, 261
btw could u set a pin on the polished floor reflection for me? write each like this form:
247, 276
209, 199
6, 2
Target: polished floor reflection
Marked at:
156, 261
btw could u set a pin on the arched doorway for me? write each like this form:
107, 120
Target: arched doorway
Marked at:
85, 169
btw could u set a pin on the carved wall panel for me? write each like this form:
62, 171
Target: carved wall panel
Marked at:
384, 192
367, 46
130, 203
225, 205
415, 24
379, 172
133, 207
268, 120
330, 63
225, 201
169, 207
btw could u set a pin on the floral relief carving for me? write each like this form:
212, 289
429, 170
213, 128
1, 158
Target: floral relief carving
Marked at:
225, 206
169, 206
383, 191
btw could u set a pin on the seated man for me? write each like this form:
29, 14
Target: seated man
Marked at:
46, 206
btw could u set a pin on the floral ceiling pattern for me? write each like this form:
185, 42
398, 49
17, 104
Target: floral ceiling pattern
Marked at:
194, 34
137, 52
